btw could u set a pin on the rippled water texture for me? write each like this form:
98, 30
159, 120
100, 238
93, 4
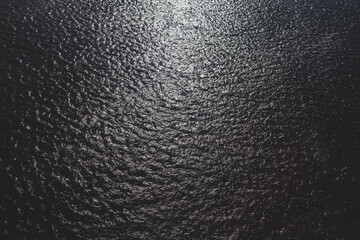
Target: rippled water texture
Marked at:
180, 119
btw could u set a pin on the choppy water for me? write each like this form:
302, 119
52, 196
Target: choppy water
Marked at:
180, 119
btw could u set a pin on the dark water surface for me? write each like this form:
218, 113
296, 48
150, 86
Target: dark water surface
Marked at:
180, 119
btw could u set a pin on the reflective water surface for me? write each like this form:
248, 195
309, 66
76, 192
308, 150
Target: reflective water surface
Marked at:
179, 119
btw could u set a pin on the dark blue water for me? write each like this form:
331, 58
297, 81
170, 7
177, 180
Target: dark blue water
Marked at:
180, 119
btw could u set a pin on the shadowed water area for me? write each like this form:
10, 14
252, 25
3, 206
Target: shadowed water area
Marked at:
178, 119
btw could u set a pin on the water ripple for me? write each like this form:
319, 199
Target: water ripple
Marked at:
179, 119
